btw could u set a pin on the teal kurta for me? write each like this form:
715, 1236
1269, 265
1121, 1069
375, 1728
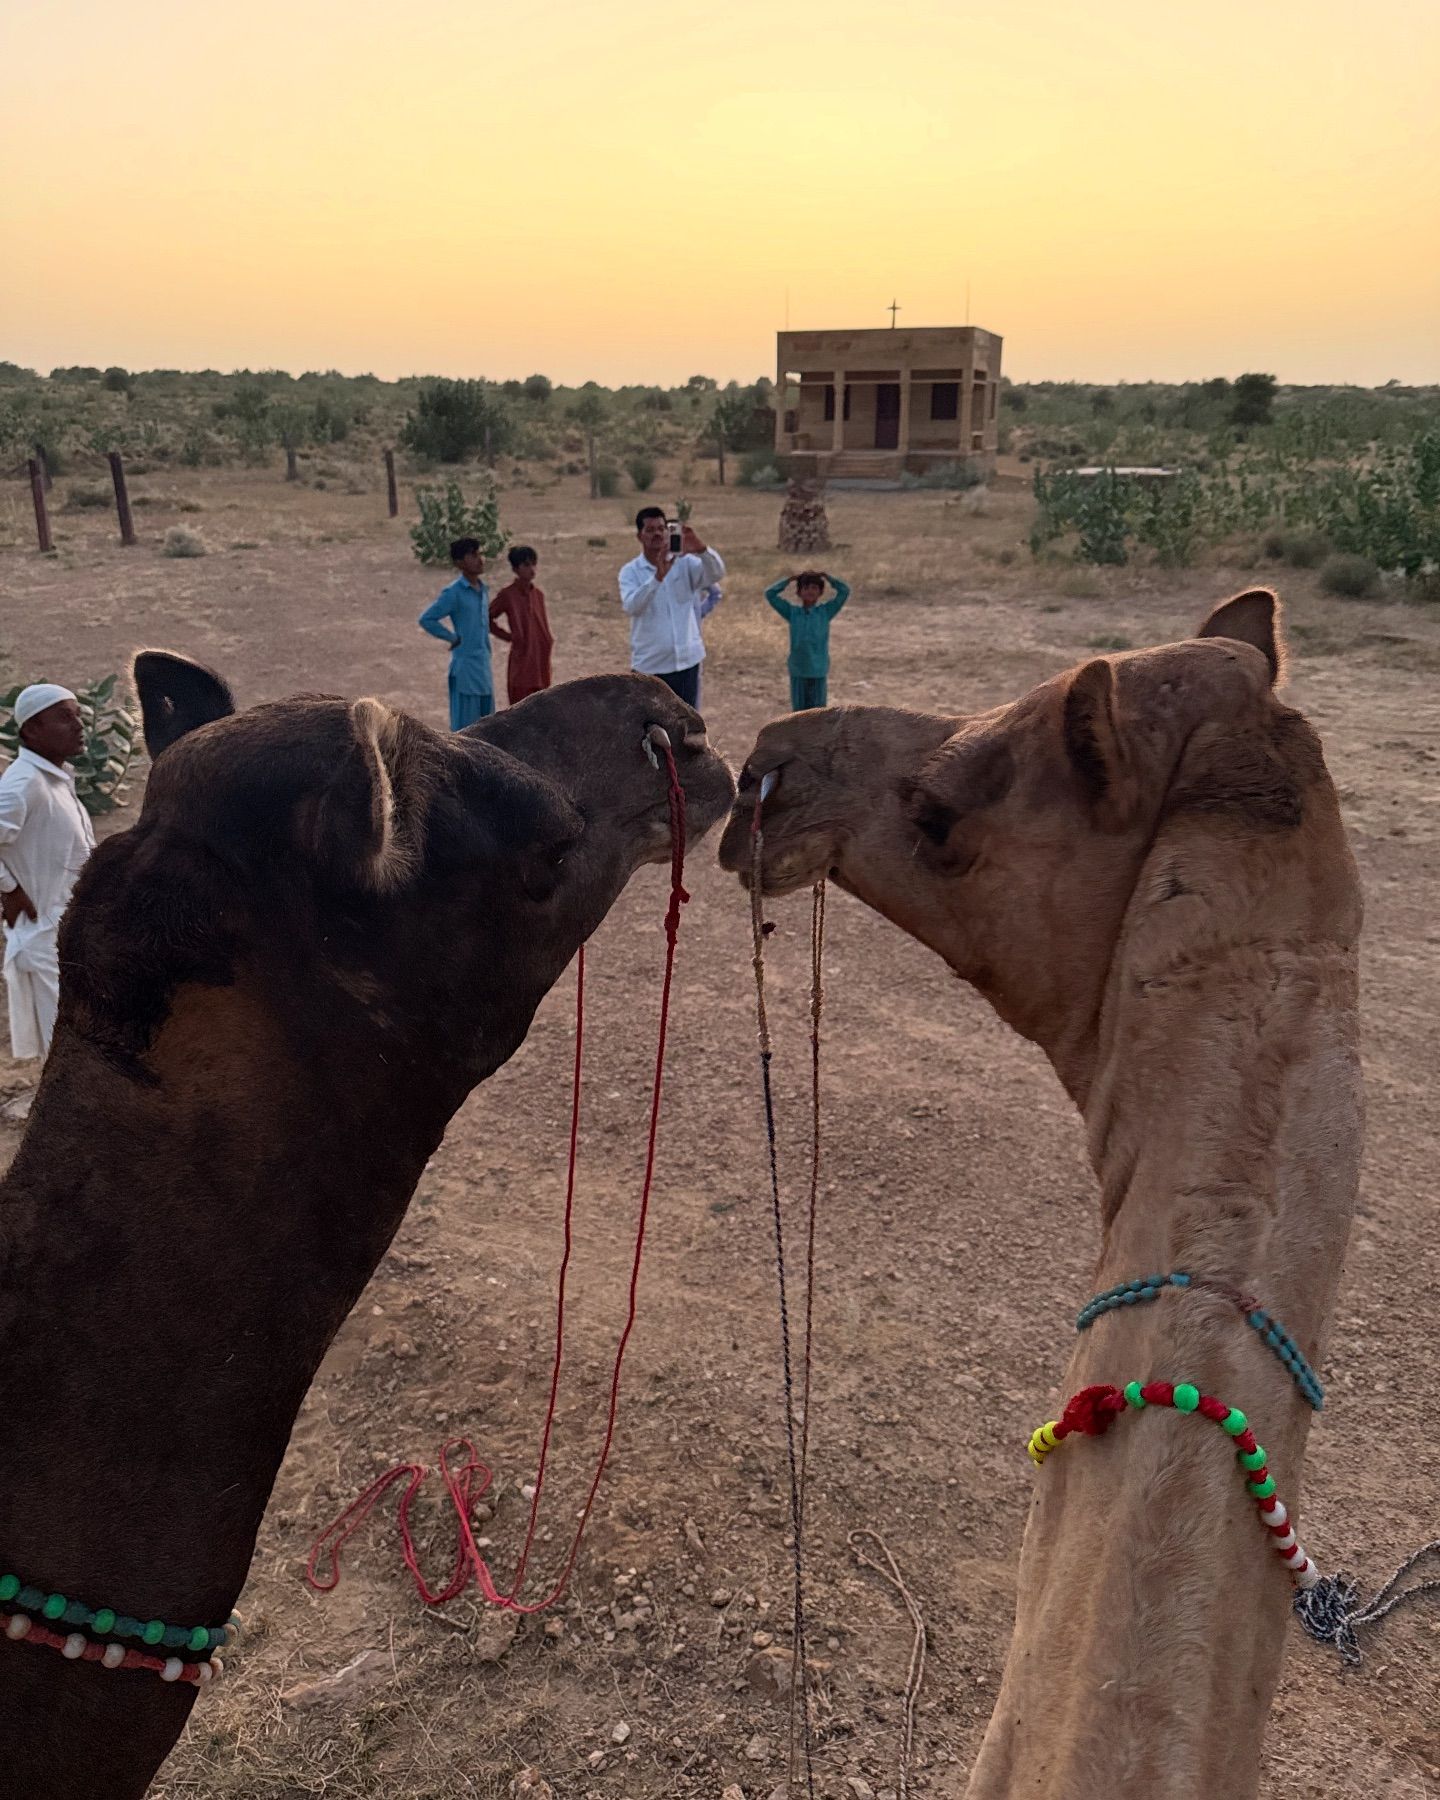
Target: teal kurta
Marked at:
809, 627
468, 610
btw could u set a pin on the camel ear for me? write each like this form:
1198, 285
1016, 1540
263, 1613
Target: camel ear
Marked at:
365, 827
1095, 739
1254, 618
176, 696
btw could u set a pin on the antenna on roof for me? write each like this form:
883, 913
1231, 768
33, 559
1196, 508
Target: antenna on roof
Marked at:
892, 309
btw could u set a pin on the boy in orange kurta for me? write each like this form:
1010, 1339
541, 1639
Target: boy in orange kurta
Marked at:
522, 605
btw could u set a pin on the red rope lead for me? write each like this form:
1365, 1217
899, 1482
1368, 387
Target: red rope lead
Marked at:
460, 1485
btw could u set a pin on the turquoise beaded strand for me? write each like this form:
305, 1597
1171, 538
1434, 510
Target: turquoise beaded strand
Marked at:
56, 1609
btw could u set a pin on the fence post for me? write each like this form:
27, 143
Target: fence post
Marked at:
37, 494
122, 499
44, 455
720, 450
390, 484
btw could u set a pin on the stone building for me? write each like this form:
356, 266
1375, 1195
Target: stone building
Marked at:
874, 404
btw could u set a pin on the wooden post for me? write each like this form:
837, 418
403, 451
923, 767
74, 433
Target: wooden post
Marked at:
292, 467
489, 447
122, 499
44, 457
390, 487
594, 471
37, 494
720, 450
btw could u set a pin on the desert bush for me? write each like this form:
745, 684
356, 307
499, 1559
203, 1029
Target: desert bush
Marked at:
641, 470
949, 475
451, 419
445, 515
110, 733
1301, 549
607, 481
1081, 584
84, 498
537, 388
1351, 577
183, 540
757, 469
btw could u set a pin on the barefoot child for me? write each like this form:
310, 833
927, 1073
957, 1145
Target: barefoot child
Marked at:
809, 624
528, 632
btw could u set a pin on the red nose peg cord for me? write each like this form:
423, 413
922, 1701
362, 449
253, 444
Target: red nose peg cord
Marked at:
466, 1484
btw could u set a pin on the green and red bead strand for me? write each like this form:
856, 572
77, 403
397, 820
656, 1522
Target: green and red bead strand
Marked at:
76, 1647
105, 1622
1094, 1409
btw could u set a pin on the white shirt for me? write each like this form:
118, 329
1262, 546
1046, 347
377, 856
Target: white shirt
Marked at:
664, 629
45, 835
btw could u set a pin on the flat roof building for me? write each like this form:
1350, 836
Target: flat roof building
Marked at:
874, 404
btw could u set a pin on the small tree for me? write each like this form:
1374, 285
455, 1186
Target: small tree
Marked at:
538, 388
454, 419
445, 515
588, 412
1254, 400
294, 426
117, 381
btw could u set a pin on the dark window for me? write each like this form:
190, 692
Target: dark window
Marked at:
945, 400
830, 402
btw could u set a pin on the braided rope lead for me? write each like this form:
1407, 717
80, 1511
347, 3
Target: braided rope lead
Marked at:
799, 1674
1329, 1613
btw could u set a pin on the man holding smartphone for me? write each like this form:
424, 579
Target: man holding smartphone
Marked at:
658, 591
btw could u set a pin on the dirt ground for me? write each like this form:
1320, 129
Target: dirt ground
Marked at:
956, 1238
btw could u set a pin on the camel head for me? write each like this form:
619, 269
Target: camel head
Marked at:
424, 886
1017, 842
588, 737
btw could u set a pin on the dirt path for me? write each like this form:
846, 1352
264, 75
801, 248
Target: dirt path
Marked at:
956, 1239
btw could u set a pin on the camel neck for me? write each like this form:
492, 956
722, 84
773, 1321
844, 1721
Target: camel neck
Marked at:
1223, 1118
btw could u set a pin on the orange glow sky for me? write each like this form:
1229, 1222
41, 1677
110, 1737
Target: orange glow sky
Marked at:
628, 191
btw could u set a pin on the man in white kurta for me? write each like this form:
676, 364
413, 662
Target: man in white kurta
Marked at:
45, 837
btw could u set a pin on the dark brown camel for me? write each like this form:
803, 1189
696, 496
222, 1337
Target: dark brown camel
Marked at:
328, 925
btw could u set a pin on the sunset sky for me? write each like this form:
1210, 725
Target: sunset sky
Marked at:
635, 191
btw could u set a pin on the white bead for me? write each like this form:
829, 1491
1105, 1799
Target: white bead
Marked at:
1275, 1515
74, 1645
1307, 1575
202, 1673
114, 1656
18, 1627
1288, 1541
173, 1669
217, 1667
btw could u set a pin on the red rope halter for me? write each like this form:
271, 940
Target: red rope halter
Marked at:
461, 1484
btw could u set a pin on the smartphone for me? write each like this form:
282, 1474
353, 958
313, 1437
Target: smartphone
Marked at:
676, 532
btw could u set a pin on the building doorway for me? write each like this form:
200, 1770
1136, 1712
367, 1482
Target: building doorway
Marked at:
887, 416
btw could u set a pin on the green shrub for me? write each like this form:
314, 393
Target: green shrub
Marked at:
607, 481
956, 476
1350, 576
445, 515
641, 470
757, 469
1301, 549
451, 419
110, 734
89, 499
183, 540
117, 381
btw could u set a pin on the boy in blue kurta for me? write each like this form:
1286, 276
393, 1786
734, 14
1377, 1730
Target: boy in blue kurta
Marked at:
809, 624
466, 604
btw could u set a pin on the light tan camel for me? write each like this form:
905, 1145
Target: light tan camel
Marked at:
1141, 865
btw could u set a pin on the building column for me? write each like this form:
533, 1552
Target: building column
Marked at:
904, 445
837, 440
967, 388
